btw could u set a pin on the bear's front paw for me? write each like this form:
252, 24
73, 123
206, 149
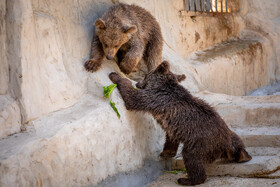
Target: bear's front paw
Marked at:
92, 65
114, 77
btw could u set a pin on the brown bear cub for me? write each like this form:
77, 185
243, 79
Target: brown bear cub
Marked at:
130, 33
185, 119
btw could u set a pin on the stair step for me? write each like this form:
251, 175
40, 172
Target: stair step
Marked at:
235, 67
262, 111
264, 162
260, 137
10, 119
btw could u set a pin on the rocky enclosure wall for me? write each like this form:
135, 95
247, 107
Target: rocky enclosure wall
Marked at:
4, 76
46, 42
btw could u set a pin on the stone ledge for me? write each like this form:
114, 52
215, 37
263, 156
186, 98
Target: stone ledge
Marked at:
79, 146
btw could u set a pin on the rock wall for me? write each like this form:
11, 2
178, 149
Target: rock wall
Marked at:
263, 18
4, 71
184, 33
48, 41
74, 138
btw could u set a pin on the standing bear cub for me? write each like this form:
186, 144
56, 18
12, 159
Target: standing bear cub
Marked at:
185, 119
130, 33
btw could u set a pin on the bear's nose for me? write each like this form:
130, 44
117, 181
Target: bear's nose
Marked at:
109, 57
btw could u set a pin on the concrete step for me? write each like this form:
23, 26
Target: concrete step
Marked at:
10, 119
260, 137
235, 67
246, 113
265, 162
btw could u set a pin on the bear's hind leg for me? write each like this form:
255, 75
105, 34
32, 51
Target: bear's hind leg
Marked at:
170, 148
195, 169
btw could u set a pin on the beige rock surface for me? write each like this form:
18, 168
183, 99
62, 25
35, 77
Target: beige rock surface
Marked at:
10, 119
79, 146
4, 70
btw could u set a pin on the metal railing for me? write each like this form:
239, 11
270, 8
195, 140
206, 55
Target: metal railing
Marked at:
224, 6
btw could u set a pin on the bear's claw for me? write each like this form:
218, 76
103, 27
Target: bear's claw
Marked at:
92, 65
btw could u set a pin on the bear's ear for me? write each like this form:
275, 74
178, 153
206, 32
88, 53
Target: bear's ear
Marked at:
130, 29
180, 77
99, 23
163, 67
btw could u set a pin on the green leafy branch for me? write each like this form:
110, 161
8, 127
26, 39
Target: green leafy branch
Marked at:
107, 90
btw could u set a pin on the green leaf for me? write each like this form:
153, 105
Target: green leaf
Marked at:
107, 90
115, 109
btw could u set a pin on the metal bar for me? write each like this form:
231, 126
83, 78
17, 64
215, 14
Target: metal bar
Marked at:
187, 7
231, 6
197, 5
221, 5
192, 5
205, 5
216, 5
226, 6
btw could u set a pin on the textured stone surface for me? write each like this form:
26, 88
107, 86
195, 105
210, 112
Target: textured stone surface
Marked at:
263, 18
10, 119
4, 71
47, 44
50, 40
185, 34
79, 146
251, 111
235, 67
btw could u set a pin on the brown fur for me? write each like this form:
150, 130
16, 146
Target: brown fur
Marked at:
130, 33
185, 119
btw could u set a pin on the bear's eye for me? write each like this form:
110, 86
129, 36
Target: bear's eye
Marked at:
105, 45
116, 46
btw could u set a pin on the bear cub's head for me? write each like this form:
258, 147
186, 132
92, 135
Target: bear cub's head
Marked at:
113, 35
159, 77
